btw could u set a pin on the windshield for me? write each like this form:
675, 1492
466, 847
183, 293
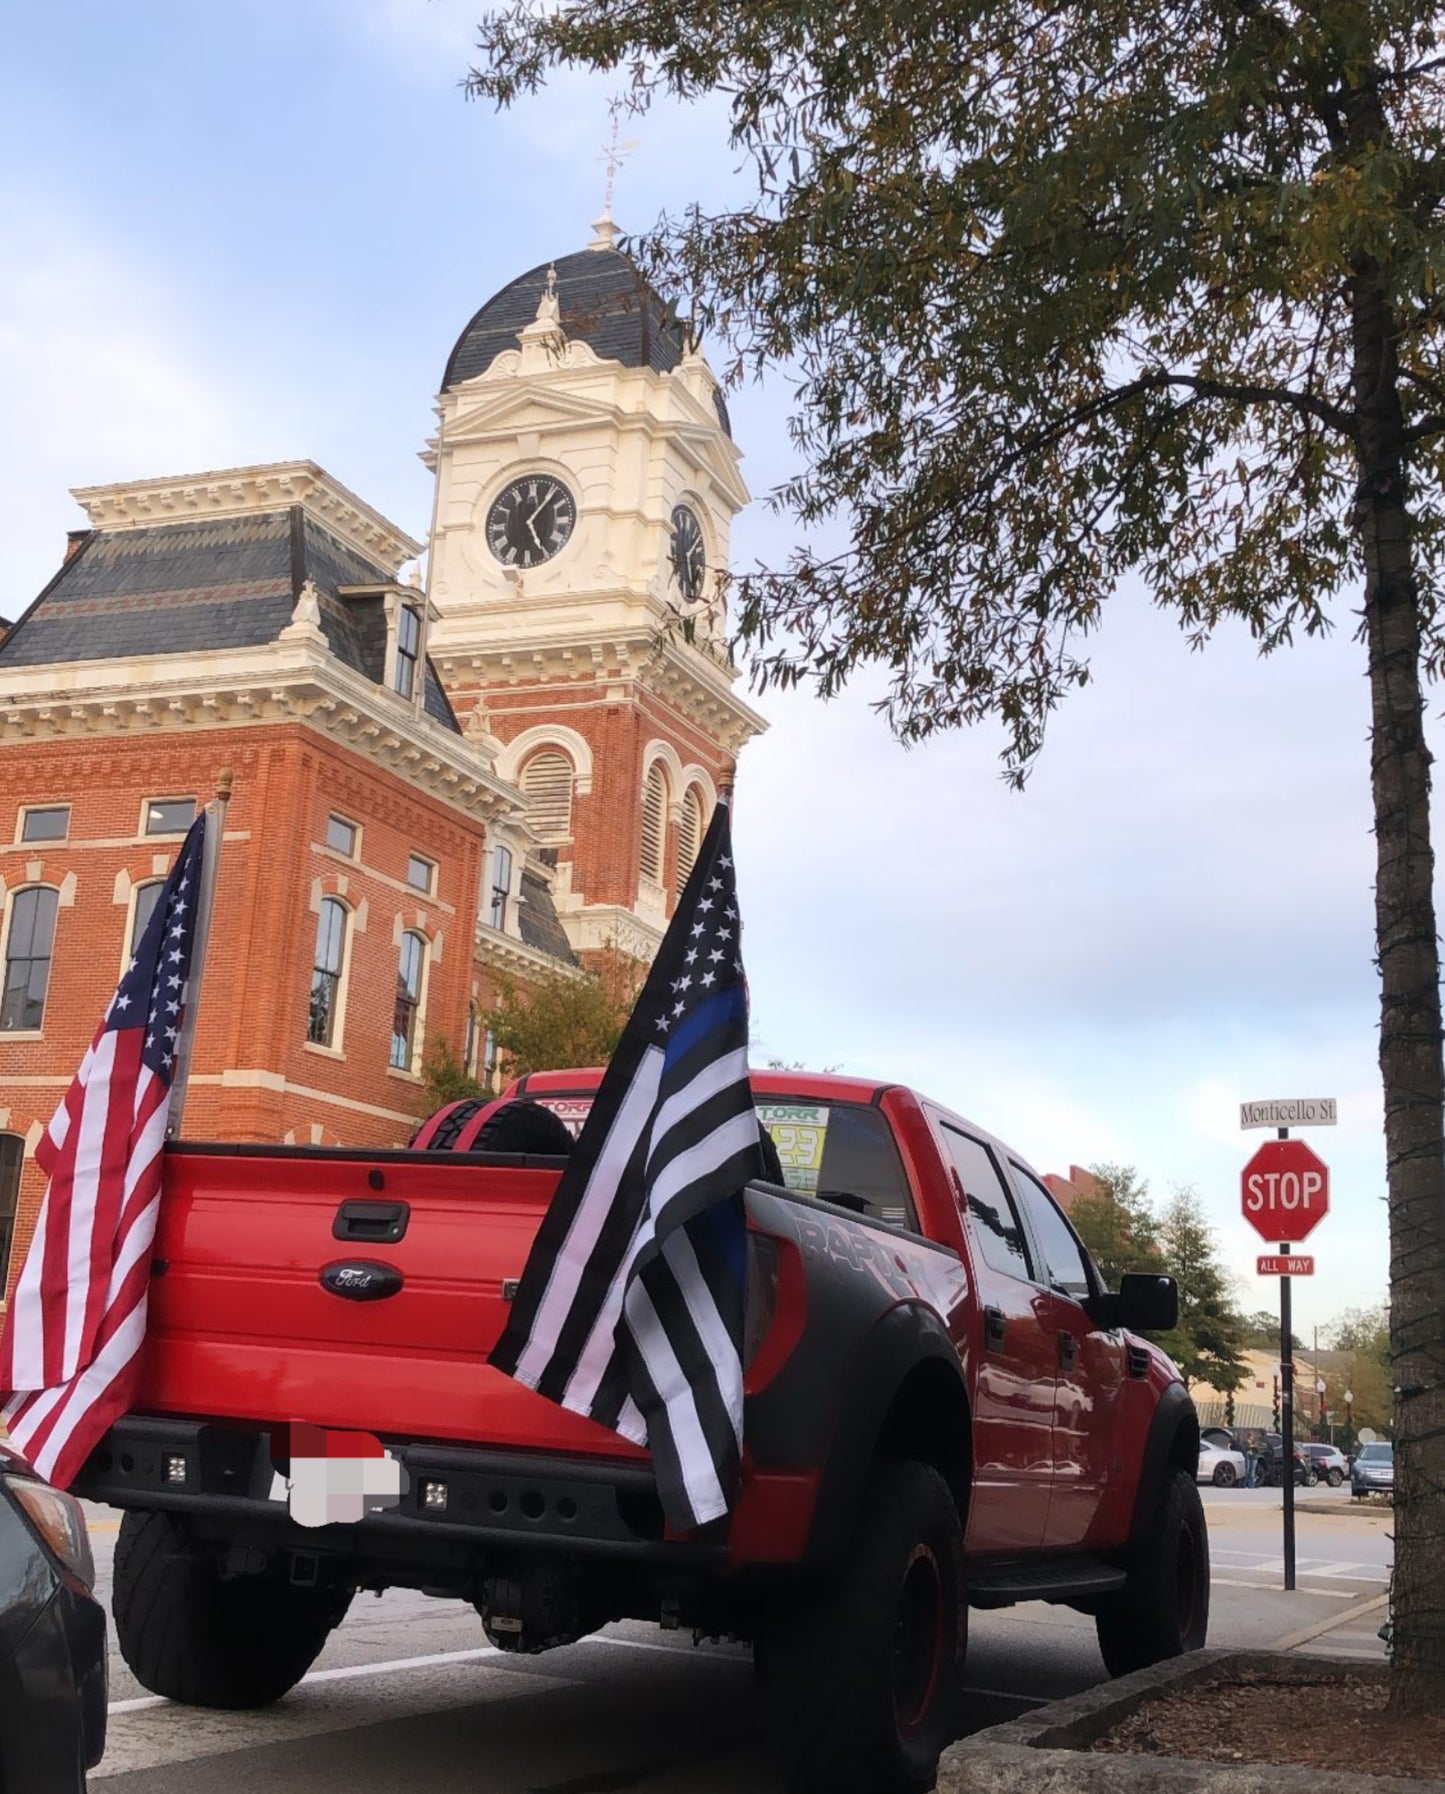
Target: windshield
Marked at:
1378, 1453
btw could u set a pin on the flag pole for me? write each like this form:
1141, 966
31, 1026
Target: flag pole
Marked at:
205, 898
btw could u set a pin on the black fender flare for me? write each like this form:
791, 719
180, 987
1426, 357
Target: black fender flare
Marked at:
905, 1391
1173, 1439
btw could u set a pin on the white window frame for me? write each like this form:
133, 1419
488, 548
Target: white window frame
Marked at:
28, 810
356, 833
167, 834
418, 1039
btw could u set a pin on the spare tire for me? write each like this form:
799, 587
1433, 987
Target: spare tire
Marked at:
494, 1124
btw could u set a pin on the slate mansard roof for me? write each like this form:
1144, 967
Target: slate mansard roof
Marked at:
537, 920
196, 584
604, 301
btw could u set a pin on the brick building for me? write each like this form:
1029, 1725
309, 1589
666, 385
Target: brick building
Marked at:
505, 767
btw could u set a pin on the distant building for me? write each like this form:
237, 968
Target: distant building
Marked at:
505, 769
1066, 1191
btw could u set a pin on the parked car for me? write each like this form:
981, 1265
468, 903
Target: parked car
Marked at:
1267, 1447
52, 1638
1220, 1465
1373, 1471
1329, 1461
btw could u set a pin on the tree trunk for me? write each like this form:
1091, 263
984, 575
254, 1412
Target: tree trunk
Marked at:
1411, 1063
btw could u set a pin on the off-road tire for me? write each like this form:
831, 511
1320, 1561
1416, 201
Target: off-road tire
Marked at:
194, 1638
860, 1673
1334, 1478
1163, 1609
1225, 1476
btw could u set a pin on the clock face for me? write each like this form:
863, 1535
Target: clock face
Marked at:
689, 557
530, 520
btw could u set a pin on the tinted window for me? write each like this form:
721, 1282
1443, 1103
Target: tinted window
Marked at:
1063, 1255
993, 1220
841, 1152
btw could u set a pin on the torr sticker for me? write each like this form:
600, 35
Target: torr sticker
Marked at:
799, 1133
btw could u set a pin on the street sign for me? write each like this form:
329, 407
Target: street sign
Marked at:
1274, 1265
1298, 1111
1284, 1191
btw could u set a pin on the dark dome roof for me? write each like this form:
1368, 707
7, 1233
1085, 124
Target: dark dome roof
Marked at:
605, 302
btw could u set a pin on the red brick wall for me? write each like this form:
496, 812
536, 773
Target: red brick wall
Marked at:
607, 822
255, 994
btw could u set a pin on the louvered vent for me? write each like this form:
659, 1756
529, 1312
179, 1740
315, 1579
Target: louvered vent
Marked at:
654, 821
689, 835
1138, 1361
547, 785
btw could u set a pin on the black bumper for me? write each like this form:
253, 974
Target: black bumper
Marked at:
494, 1499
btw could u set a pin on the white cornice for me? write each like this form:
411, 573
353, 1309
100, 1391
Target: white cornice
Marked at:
685, 675
285, 681
248, 491
600, 927
506, 953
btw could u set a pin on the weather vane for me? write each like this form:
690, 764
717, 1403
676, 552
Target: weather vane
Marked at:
614, 154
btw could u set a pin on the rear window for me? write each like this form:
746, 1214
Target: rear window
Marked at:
832, 1152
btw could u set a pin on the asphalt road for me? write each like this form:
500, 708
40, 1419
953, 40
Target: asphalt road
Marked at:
408, 1695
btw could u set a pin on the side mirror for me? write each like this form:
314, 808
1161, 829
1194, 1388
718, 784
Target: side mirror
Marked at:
1146, 1303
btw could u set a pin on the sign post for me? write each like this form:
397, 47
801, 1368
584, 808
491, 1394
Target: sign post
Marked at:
1284, 1194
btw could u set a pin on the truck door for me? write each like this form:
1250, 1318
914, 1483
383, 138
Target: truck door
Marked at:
1015, 1356
1090, 1366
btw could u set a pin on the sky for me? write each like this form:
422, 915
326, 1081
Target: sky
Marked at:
253, 233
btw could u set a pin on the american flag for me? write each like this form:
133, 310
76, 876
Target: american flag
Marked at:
72, 1336
630, 1307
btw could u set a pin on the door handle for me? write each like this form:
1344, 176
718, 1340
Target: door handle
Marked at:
383, 1223
995, 1327
1068, 1350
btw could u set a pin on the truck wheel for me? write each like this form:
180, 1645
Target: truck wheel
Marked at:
861, 1674
195, 1638
1163, 1609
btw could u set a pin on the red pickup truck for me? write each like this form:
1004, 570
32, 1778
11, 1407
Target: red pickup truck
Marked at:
944, 1409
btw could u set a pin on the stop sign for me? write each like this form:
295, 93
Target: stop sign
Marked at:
1284, 1190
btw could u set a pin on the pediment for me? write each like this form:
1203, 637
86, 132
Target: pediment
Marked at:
712, 450
493, 410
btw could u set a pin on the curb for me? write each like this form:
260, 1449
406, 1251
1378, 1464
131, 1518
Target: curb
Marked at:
1047, 1751
1355, 1509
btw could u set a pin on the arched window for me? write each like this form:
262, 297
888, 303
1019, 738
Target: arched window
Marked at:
546, 782
689, 834
406, 1021
146, 898
654, 824
323, 1022
28, 946
12, 1159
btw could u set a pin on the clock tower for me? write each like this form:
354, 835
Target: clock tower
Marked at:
586, 483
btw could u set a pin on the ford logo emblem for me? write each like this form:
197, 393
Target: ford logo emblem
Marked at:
360, 1280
